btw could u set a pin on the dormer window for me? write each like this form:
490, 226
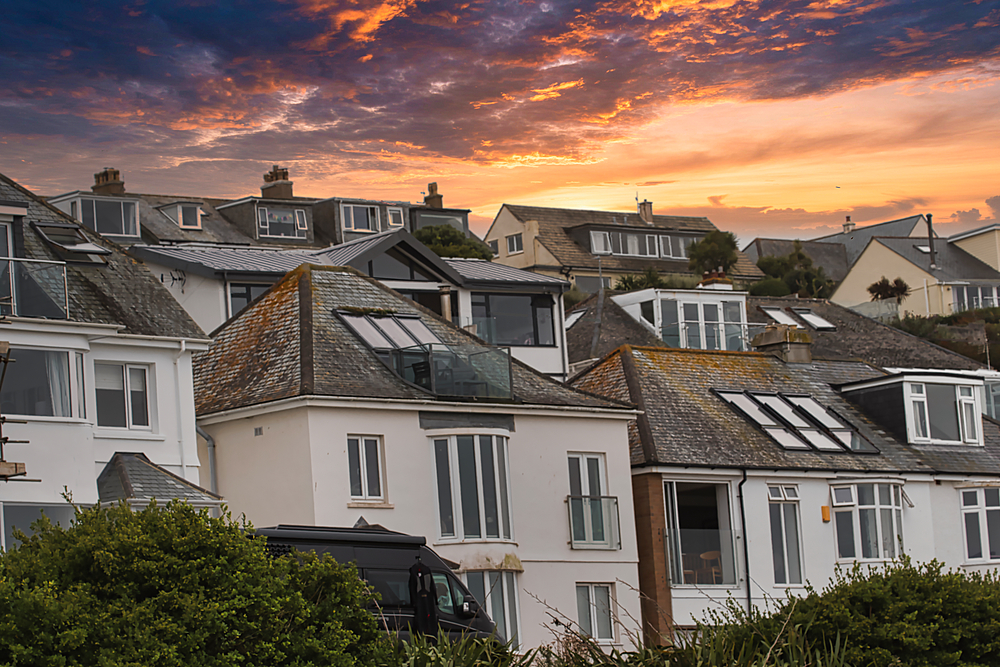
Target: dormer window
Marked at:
638, 244
942, 413
112, 217
186, 216
282, 222
360, 218
395, 217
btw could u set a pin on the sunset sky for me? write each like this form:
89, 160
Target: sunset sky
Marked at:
773, 118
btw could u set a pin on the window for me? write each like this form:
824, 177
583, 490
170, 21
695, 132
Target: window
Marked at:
699, 533
473, 491
593, 607
241, 294
364, 462
282, 223
395, 217
783, 507
981, 520
497, 593
68, 241
943, 413
514, 319
390, 332
109, 216
593, 515
780, 316
815, 321
187, 216
494, 247
122, 396
675, 247
41, 383
360, 218
633, 244
703, 325
22, 516
869, 515
600, 243
572, 318
514, 244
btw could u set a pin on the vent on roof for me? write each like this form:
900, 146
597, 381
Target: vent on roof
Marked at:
797, 421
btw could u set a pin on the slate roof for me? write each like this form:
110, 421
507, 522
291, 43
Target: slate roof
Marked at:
480, 272
855, 242
953, 263
122, 291
214, 227
831, 256
859, 337
290, 343
359, 251
617, 328
685, 424
134, 478
554, 223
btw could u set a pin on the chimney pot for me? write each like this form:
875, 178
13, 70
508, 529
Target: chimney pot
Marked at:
276, 184
108, 182
646, 211
848, 226
433, 199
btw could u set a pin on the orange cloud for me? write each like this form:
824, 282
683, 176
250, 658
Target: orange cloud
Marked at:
553, 90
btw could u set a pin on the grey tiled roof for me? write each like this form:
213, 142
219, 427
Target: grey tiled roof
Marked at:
688, 425
952, 262
831, 256
214, 227
211, 261
617, 328
553, 224
855, 242
133, 477
859, 337
122, 291
475, 271
285, 345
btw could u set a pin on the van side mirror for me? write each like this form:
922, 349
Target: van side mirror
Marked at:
470, 607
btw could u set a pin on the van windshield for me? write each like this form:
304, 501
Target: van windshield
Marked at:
392, 585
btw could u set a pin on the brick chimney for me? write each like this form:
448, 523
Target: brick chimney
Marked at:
788, 343
849, 226
276, 184
646, 211
433, 199
108, 182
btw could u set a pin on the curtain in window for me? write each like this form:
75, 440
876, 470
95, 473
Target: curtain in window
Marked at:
57, 370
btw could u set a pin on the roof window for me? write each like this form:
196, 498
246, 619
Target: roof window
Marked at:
797, 421
187, 215
70, 243
780, 316
812, 319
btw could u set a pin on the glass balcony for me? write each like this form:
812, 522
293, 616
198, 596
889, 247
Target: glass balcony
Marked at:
456, 370
593, 522
33, 288
700, 556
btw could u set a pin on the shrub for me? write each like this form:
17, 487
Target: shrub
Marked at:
446, 241
173, 586
770, 287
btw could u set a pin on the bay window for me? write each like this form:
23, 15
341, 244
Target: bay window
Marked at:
497, 593
473, 488
981, 521
43, 383
716, 325
869, 516
109, 216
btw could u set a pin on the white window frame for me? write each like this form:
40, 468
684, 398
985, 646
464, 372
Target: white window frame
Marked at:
497, 603
264, 229
607, 519
350, 227
147, 369
501, 485
76, 389
600, 243
364, 469
981, 509
853, 508
81, 201
674, 539
915, 398
782, 496
395, 209
515, 244
592, 616
177, 216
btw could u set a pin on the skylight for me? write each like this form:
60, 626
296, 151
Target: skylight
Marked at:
815, 321
797, 421
573, 317
389, 332
926, 249
69, 241
780, 316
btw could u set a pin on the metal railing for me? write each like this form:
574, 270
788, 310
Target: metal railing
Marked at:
33, 288
456, 370
593, 522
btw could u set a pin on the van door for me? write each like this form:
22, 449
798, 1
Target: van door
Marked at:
451, 595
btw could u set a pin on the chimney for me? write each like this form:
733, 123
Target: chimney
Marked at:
276, 184
646, 211
930, 240
445, 292
788, 343
849, 226
108, 182
433, 199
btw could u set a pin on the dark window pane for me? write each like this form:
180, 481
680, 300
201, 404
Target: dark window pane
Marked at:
468, 486
88, 214
845, 534
110, 388
646, 310
354, 466
444, 487
489, 486
392, 585
502, 469
869, 533
777, 544
37, 384
973, 541
792, 542
942, 406
390, 265
671, 333
109, 217
372, 468
993, 532
477, 587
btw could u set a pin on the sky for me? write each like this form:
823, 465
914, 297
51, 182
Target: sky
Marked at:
772, 118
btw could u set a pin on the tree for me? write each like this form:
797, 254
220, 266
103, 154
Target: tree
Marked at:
797, 271
717, 249
649, 278
173, 586
446, 241
884, 289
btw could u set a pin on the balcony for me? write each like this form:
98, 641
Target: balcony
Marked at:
468, 371
593, 522
33, 288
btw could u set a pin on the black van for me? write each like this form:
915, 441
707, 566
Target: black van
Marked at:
384, 559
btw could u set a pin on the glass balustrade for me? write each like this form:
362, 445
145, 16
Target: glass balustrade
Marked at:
33, 288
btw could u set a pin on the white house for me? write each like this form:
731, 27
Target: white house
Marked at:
100, 362
331, 398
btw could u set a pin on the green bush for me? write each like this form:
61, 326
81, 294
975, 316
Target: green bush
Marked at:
170, 586
770, 287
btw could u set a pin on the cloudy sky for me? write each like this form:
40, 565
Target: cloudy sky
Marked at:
773, 118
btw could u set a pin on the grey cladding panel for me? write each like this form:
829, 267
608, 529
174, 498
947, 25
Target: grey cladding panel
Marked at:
432, 420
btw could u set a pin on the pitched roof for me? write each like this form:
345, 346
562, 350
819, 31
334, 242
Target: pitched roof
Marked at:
831, 256
685, 424
858, 337
554, 224
212, 260
290, 342
616, 328
133, 477
480, 272
214, 227
854, 242
952, 262
122, 291
359, 251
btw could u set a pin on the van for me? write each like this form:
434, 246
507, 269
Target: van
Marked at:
383, 559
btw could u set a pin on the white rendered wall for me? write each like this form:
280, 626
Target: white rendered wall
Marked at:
204, 299
270, 479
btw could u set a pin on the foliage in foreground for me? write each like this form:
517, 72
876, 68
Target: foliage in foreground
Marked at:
446, 241
174, 586
651, 278
793, 273
715, 250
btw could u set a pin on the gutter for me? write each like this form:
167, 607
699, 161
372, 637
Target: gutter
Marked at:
746, 548
177, 395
